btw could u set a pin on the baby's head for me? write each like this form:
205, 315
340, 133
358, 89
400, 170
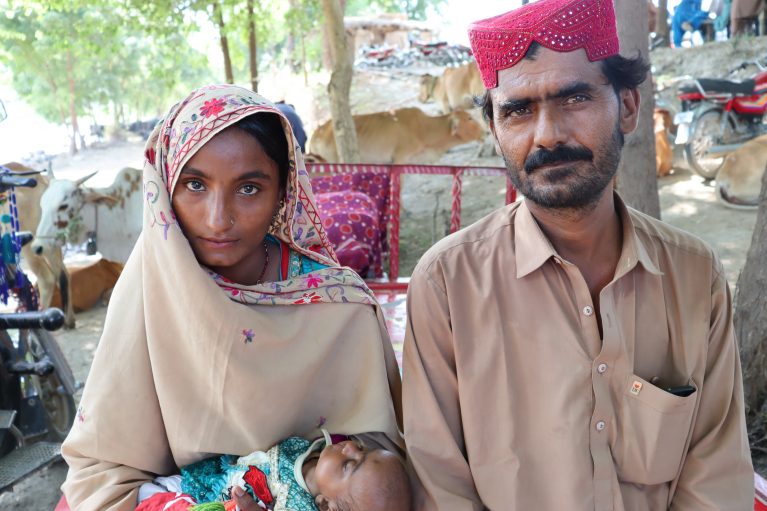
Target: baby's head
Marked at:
352, 478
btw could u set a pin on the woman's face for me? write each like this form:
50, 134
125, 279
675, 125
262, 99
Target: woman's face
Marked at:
224, 200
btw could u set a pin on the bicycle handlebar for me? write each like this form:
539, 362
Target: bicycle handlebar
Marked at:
49, 319
7, 181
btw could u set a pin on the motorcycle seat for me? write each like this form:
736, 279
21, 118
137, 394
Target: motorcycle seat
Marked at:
712, 85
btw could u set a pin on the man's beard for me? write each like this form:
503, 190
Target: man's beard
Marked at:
584, 191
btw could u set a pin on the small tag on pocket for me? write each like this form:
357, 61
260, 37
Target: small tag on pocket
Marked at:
636, 387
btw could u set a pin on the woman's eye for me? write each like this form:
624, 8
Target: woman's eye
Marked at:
194, 185
248, 189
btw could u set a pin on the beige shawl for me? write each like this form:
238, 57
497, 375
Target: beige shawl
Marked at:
183, 371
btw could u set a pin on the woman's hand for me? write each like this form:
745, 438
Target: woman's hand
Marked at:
244, 501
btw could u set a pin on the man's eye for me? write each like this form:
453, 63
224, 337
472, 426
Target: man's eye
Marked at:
194, 185
248, 189
578, 98
519, 112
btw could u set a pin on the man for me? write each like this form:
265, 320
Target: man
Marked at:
688, 17
567, 352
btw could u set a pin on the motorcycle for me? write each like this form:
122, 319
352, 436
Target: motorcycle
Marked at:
37, 386
718, 116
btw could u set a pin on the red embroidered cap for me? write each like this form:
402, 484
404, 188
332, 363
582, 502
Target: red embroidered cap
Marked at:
561, 25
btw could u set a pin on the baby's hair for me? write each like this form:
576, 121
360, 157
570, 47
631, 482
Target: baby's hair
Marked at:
390, 489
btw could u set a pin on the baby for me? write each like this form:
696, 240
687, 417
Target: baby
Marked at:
294, 475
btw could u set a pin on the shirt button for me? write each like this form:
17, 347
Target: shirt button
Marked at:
588, 311
601, 425
601, 368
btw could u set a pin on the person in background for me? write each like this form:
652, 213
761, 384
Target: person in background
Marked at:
688, 17
296, 124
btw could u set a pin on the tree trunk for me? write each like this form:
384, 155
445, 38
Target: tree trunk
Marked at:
219, 20
751, 326
637, 182
661, 23
72, 103
252, 48
340, 83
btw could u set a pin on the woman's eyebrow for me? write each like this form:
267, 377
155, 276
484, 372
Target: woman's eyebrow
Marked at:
191, 171
253, 174
256, 174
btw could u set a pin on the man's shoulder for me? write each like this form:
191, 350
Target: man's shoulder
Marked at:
489, 231
659, 237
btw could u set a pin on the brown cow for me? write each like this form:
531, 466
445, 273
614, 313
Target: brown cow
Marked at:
664, 155
406, 135
739, 181
455, 89
91, 282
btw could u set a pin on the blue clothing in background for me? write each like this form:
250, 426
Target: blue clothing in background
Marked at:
688, 11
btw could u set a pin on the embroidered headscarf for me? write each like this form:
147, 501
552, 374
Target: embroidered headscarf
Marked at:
187, 127
560, 25
189, 366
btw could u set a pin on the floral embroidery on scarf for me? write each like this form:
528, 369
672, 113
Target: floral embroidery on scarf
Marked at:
321, 422
213, 107
151, 192
313, 280
312, 297
249, 334
80, 415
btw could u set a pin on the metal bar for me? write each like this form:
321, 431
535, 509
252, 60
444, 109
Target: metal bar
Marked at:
394, 208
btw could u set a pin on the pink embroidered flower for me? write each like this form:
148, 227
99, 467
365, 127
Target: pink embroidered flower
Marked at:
313, 280
213, 107
249, 334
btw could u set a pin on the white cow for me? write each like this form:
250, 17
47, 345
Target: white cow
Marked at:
114, 214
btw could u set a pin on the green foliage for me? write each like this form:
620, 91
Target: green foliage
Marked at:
415, 9
110, 56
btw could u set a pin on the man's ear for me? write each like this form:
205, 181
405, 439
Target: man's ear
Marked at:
324, 504
629, 109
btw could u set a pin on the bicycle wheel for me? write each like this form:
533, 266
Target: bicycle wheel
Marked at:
58, 402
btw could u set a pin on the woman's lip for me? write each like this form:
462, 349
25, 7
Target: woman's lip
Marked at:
219, 242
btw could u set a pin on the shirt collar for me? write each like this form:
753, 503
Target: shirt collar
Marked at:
533, 248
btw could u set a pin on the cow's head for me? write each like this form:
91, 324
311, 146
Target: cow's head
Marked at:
60, 211
463, 126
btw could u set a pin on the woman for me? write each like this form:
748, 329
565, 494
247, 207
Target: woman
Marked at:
232, 326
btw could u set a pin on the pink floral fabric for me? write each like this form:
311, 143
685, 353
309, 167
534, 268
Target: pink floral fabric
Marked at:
353, 208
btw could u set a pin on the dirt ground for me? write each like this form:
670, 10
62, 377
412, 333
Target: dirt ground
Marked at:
686, 202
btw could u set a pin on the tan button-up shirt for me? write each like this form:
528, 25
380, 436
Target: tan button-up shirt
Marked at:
512, 401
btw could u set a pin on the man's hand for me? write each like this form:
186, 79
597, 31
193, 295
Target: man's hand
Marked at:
244, 501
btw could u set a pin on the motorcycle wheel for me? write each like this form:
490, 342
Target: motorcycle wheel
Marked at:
58, 404
706, 133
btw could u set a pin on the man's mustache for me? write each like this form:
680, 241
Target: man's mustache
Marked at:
560, 154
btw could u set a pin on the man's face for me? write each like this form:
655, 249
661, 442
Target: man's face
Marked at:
559, 126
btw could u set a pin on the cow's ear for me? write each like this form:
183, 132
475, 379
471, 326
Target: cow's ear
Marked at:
92, 197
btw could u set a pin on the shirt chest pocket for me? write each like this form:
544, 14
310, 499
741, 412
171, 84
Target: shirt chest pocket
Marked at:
652, 428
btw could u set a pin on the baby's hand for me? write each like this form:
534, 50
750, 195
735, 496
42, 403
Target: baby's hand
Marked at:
244, 501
